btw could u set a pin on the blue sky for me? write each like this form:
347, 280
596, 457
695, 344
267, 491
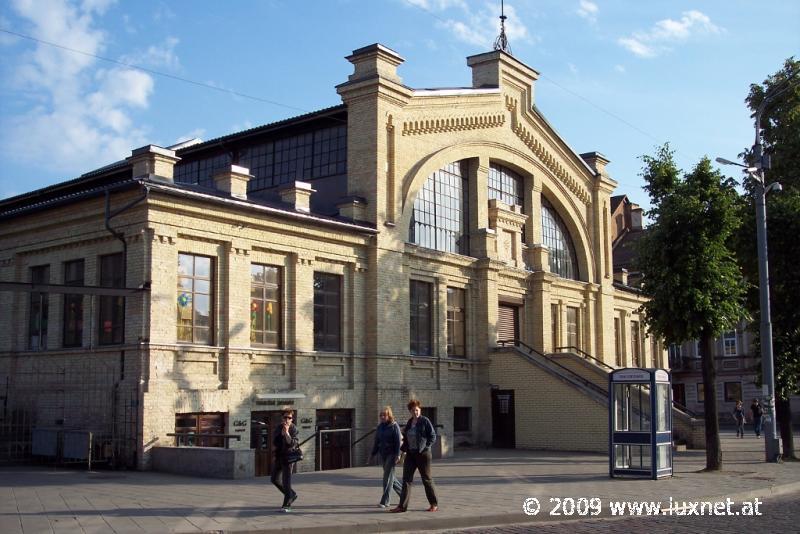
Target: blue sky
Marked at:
618, 77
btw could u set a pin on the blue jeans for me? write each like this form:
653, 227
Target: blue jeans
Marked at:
390, 482
757, 425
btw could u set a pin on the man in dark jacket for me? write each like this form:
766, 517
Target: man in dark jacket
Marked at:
284, 440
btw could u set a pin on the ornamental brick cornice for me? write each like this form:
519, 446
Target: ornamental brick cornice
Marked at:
544, 155
505, 218
453, 124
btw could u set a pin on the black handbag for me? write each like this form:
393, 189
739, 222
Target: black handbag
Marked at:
294, 455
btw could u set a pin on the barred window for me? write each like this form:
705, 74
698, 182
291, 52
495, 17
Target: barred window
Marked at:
505, 185
420, 304
195, 298
563, 260
265, 305
456, 323
111, 316
327, 312
440, 216
305, 156
38, 310
201, 171
72, 321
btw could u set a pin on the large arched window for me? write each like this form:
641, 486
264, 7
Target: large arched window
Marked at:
439, 220
563, 260
505, 185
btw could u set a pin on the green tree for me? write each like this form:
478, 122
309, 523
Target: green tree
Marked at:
781, 139
690, 274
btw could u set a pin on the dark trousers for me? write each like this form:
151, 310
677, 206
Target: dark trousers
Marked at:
282, 478
415, 461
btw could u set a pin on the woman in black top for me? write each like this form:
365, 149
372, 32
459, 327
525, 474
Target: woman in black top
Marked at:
418, 437
284, 440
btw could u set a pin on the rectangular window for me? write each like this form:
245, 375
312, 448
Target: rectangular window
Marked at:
265, 305
72, 320
573, 327
38, 310
675, 355
733, 391
636, 346
456, 323
554, 325
701, 392
618, 341
654, 349
462, 419
420, 304
195, 299
111, 316
327, 312
729, 343
199, 429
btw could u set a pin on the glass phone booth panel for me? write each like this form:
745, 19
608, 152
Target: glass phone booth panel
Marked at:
640, 423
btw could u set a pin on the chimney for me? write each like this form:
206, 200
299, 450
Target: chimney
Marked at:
621, 276
597, 162
353, 208
497, 69
375, 61
153, 160
636, 217
233, 180
298, 195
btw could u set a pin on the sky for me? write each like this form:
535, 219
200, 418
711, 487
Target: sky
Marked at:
617, 77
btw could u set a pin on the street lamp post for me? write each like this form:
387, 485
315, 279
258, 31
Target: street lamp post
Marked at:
760, 163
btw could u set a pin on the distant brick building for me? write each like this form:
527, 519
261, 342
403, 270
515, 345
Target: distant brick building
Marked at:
334, 262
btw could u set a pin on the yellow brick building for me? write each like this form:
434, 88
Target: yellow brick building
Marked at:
333, 263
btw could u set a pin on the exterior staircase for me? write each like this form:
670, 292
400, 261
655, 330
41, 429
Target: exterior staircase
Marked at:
564, 397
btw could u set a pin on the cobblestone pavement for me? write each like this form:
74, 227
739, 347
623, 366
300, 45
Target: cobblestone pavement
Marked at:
476, 487
781, 514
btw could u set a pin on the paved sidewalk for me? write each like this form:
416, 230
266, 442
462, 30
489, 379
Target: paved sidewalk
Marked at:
478, 487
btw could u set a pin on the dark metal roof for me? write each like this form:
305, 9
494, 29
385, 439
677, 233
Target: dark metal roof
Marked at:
326, 113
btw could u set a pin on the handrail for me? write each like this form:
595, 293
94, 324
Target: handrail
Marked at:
364, 436
586, 355
183, 436
680, 407
588, 383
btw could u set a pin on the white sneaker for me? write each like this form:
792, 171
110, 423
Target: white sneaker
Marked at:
383, 505
286, 509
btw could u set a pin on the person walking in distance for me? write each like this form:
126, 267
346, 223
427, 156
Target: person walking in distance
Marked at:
284, 439
418, 437
757, 412
387, 450
738, 414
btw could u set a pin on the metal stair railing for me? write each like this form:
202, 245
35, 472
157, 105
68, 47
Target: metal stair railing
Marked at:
522, 347
585, 355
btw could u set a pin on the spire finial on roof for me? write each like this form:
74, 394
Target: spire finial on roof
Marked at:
501, 43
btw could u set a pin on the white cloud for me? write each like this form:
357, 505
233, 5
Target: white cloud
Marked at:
79, 115
668, 31
478, 26
587, 10
572, 68
157, 55
619, 68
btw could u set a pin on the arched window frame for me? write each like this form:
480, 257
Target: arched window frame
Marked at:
505, 185
556, 237
440, 216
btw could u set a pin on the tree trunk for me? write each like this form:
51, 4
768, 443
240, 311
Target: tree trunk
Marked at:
713, 448
783, 409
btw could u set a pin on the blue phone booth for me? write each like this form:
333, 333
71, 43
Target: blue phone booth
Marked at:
640, 423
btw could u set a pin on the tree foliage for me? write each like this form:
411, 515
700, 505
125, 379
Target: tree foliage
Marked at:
781, 139
691, 276
694, 286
